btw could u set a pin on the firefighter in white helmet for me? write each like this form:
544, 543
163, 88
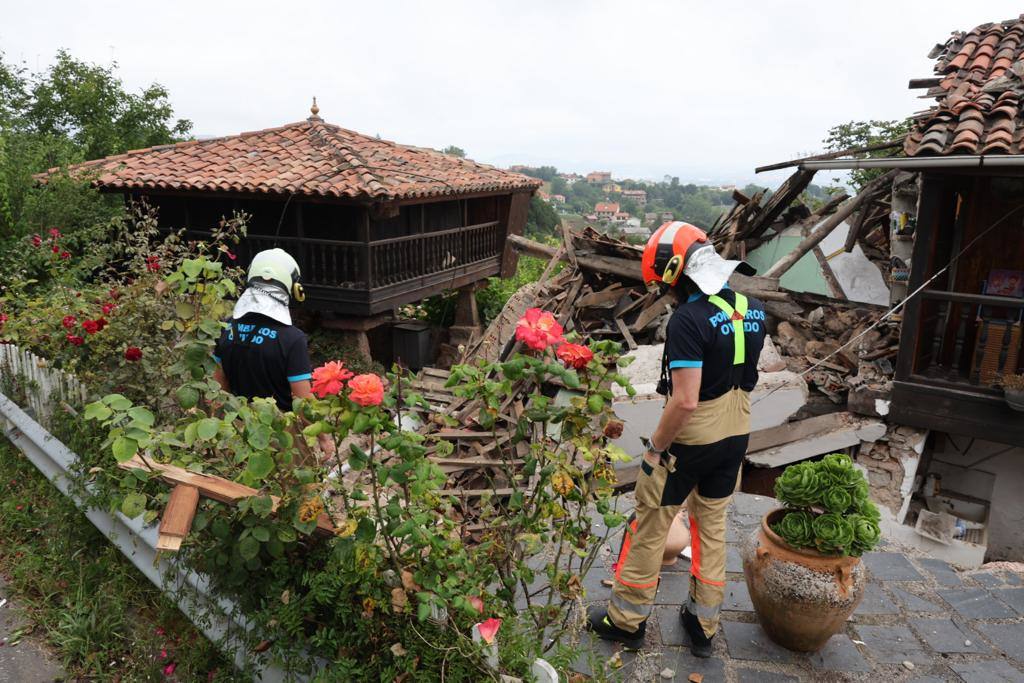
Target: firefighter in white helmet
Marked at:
709, 367
260, 353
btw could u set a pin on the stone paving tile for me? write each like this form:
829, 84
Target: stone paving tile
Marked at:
839, 654
596, 592
947, 637
915, 603
891, 567
1007, 637
749, 641
988, 671
733, 563
893, 644
753, 506
1014, 579
737, 597
928, 679
683, 664
673, 589
754, 676
942, 571
670, 627
976, 603
594, 654
876, 601
1014, 597
989, 579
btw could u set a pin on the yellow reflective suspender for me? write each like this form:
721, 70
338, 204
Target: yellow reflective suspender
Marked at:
736, 315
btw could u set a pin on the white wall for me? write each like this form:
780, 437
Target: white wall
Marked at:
1006, 521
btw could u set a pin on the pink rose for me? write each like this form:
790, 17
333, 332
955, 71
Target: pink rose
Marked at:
574, 355
328, 379
366, 390
538, 329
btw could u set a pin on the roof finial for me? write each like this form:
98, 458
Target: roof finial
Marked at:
315, 111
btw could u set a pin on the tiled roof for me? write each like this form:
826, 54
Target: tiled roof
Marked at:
979, 94
610, 207
306, 158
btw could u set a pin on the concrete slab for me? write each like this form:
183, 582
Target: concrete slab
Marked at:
674, 589
942, 571
915, 603
737, 597
875, 601
27, 661
1014, 597
1006, 637
851, 433
683, 664
744, 675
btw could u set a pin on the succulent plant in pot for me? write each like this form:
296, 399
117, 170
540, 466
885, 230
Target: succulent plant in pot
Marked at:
1013, 390
802, 565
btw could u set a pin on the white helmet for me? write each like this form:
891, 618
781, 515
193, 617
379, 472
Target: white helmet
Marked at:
277, 265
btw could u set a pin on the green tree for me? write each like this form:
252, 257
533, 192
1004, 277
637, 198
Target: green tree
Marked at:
71, 112
454, 151
559, 186
854, 134
541, 219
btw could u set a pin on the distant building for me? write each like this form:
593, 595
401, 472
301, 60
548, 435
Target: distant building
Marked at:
544, 195
599, 177
558, 199
620, 216
592, 217
606, 210
570, 177
666, 216
638, 196
611, 188
727, 188
651, 217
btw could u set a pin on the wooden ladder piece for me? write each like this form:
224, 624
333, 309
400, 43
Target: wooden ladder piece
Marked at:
177, 518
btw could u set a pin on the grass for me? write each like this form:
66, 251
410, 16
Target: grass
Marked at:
103, 618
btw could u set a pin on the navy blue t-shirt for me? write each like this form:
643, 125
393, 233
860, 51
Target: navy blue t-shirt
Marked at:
700, 335
261, 357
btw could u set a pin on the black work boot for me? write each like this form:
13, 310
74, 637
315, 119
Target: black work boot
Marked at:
700, 644
600, 623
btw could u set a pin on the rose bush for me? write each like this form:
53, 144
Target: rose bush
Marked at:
830, 507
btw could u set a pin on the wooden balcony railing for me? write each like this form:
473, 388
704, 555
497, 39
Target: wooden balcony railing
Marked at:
949, 321
369, 266
407, 258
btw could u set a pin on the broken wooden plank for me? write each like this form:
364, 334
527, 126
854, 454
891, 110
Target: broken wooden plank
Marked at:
611, 265
662, 305
217, 488
630, 342
831, 281
795, 431
176, 521
610, 294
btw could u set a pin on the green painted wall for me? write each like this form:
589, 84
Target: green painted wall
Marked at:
804, 276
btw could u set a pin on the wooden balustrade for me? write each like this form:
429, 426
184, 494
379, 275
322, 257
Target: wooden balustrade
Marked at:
949, 323
344, 264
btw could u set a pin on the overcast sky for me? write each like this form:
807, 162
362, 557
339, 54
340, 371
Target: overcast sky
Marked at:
702, 90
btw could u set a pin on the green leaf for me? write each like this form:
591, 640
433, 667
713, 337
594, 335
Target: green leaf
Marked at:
133, 505
220, 529
187, 397
207, 428
184, 310
142, 416
261, 533
287, 535
192, 267
262, 505
248, 548
124, 448
190, 434
358, 458
260, 465
97, 411
117, 402
258, 437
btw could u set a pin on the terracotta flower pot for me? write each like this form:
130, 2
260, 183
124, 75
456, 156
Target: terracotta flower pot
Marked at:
801, 597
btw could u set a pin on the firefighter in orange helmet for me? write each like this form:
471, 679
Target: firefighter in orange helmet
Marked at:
709, 368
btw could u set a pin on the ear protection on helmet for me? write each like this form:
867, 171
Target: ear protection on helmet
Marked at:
672, 270
298, 293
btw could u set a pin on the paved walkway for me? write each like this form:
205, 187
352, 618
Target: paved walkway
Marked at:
919, 621
22, 658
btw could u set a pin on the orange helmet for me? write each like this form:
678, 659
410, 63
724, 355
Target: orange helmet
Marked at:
678, 248
667, 251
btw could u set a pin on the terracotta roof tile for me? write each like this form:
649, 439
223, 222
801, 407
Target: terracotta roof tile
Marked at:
309, 157
979, 96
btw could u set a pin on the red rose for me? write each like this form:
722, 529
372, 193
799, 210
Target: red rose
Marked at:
91, 326
3, 318
114, 294
55, 249
152, 263
54, 233
574, 355
101, 323
133, 353
329, 378
366, 390
65, 255
107, 309
75, 340
37, 241
538, 329
69, 322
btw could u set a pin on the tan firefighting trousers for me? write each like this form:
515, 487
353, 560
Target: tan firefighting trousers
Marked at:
639, 564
